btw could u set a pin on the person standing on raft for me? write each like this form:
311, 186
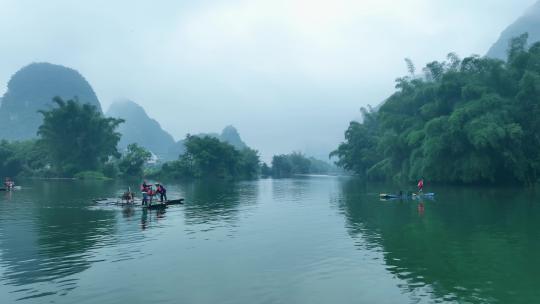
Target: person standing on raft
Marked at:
161, 191
128, 196
420, 185
144, 191
144, 186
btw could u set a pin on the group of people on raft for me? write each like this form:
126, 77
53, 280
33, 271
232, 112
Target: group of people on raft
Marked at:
148, 192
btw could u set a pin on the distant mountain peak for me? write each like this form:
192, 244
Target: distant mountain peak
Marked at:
529, 23
31, 89
140, 128
231, 136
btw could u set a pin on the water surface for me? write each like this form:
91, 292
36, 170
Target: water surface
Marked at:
301, 240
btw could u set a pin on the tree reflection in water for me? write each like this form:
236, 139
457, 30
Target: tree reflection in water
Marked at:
470, 245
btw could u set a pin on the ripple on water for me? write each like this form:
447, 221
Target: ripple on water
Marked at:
281, 243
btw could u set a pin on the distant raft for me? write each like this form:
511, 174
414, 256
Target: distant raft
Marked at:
138, 203
164, 204
421, 194
11, 189
387, 196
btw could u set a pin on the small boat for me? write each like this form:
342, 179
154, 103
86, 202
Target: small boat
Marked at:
155, 206
178, 201
11, 189
138, 203
421, 194
387, 197
161, 205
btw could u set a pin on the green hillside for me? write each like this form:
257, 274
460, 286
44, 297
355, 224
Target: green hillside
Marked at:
31, 89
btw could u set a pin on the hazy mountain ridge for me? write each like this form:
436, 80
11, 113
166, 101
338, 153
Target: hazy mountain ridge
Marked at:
140, 128
229, 135
31, 89
529, 23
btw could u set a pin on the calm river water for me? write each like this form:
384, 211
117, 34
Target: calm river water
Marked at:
301, 240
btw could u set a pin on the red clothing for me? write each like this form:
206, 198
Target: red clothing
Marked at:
420, 184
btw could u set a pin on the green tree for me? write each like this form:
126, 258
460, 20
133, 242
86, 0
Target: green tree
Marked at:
132, 162
22, 158
10, 165
281, 166
286, 165
358, 153
77, 137
208, 157
249, 163
474, 120
266, 170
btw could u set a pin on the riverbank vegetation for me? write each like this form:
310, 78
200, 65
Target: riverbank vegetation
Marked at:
74, 140
208, 157
132, 162
22, 158
286, 165
77, 137
471, 120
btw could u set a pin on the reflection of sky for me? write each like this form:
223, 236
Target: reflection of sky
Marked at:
285, 248
309, 64
304, 240
47, 237
26, 263
266, 241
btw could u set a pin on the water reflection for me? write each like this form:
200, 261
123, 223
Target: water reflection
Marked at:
47, 234
275, 240
151, 217
294, 190
215, 202
471, 245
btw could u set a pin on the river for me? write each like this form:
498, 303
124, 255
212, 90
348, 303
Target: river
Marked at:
303, 240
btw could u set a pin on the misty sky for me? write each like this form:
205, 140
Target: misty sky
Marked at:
289, 74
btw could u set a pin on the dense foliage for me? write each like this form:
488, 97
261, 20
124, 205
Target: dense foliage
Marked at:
228, 135
76, 140
474, 120
77, 137
208, 157
22, 158
132, 162
285, 165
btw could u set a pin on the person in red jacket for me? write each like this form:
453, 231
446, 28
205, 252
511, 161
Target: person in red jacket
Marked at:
150, 192
161, 191
145, 189
420, 185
